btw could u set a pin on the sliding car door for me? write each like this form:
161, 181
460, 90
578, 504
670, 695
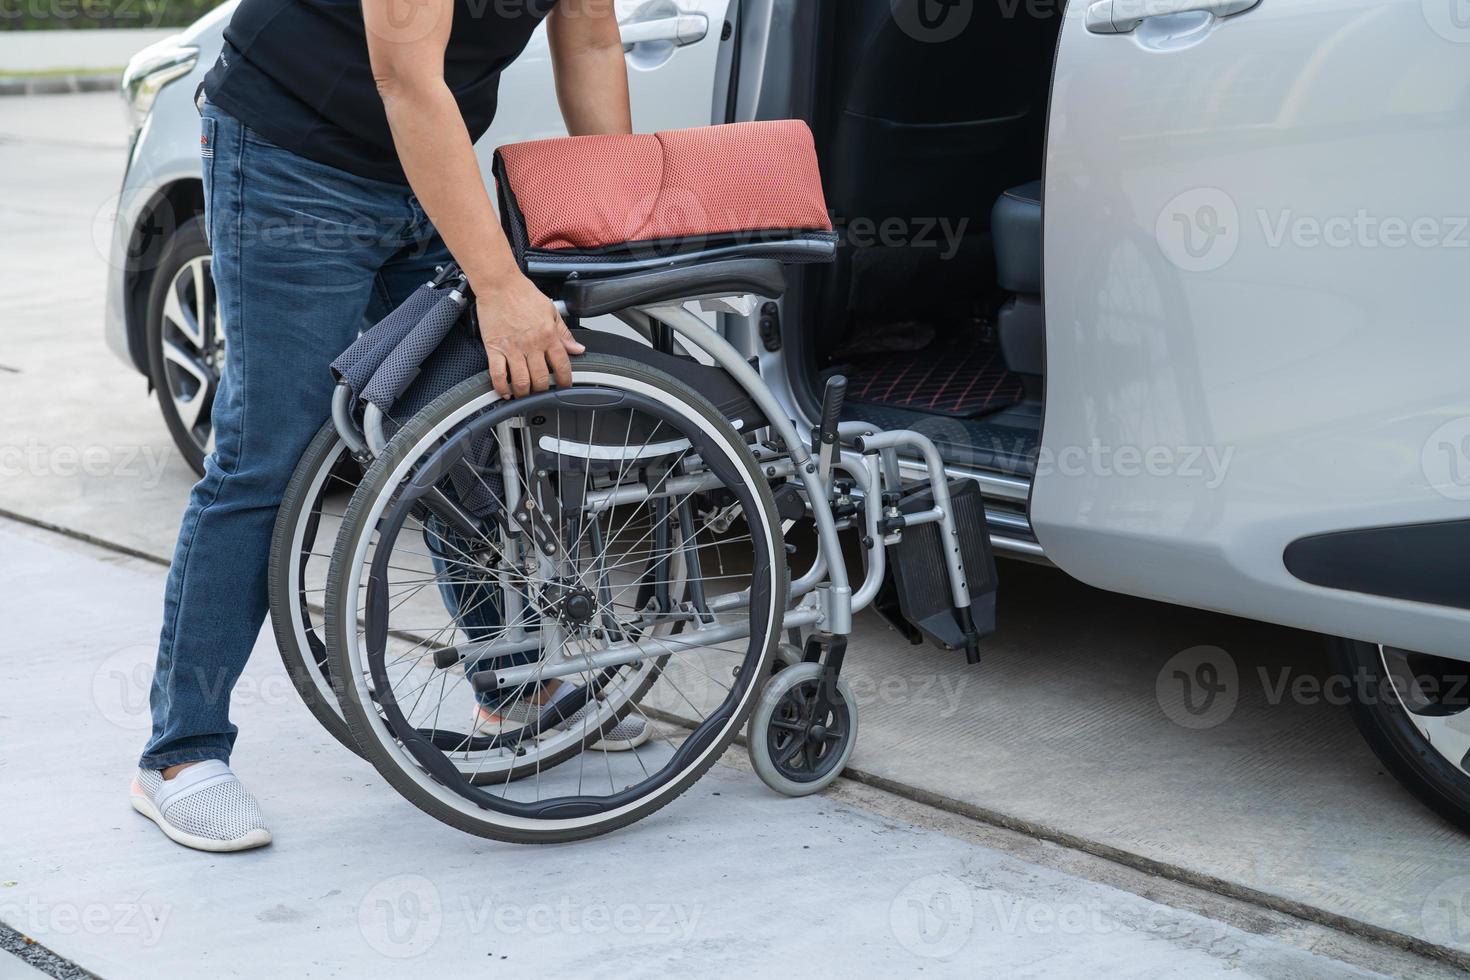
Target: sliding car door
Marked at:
1256, 258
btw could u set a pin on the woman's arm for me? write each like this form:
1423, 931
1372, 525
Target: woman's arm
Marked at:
591, 75
525, 340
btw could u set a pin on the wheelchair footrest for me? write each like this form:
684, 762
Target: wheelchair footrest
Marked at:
921, 575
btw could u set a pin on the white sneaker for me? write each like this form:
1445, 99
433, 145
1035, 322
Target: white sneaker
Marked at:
631, 731
509, 717
204, 807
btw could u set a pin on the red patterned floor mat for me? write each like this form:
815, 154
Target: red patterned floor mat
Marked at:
955, 376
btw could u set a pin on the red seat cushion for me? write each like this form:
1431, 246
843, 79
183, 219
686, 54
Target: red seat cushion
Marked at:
595, 192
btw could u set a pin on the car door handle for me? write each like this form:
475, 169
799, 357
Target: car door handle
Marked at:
681, 30
1123, 16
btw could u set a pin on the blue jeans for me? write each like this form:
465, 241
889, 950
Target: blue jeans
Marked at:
475, 602
304, 253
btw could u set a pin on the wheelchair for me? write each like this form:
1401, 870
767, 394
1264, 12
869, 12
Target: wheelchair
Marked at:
474, 593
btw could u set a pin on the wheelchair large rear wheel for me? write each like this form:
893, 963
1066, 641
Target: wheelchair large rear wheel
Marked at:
515, 579
301, 549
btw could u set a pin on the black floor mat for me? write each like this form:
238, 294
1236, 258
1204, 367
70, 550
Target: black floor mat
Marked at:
1005, 442
958, 376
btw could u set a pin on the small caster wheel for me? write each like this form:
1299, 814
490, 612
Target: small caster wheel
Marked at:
786, 656
793, 749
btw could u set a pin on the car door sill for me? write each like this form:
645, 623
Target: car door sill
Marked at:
1010, 529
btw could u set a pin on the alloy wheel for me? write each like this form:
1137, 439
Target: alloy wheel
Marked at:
193, 347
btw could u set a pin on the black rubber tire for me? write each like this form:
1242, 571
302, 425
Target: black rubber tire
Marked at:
1400, 746
299, 663
757, 739
372, 485
186, 244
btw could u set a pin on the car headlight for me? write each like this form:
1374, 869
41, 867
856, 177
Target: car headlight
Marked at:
150, 70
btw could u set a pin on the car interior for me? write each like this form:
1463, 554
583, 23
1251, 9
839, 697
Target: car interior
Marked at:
931, 148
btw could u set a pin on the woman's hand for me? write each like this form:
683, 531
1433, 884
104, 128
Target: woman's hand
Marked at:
525, 339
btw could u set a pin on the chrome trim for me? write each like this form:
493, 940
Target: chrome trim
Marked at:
992, 484
1015, 546
1014, 522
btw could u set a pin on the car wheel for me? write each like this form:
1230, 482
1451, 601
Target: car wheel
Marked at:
1414, 711
186, 344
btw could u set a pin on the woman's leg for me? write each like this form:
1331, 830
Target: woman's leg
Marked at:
297, 248
473, 599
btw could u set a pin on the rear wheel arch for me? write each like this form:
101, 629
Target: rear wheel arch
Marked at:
1408, 707
169, 208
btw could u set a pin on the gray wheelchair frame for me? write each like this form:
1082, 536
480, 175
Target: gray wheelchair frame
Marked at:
822, 600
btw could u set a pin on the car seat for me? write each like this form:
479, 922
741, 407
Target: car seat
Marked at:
1016, 227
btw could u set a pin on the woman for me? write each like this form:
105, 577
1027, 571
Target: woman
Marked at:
339, 170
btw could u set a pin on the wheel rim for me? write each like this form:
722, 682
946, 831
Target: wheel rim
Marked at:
193, 348
471, 764
306, 570
807, 732
509, 813
1435, 699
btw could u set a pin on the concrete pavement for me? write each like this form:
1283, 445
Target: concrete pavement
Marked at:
1064, 732
731, 880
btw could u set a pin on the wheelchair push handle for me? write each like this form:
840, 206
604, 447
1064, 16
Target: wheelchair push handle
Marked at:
825, 440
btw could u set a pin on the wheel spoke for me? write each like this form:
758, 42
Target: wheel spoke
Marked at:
190, 406
547, 597
176, 315
199, 271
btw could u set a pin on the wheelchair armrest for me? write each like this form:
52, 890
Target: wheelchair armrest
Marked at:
595, 297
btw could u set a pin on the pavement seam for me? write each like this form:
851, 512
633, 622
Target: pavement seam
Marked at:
995, 818
1173, 872
40, 957
84, 537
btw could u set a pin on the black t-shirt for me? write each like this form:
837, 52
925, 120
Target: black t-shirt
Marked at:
297, 72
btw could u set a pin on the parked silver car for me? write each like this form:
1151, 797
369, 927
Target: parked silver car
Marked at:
1223, 366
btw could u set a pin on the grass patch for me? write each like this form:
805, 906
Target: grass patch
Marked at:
55, 72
